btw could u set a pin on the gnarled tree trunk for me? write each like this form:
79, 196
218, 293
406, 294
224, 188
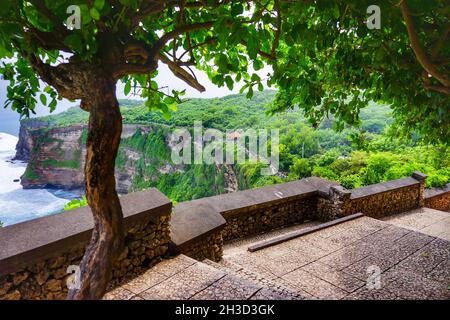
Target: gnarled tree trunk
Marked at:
105, 128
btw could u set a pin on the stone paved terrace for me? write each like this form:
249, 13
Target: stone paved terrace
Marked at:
331, 263
425, 220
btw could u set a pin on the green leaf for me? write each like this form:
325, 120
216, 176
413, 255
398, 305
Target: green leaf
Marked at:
52, 105
229, 81
43, 99
127, 88
94, 14
237, 9
74, 42
99, 4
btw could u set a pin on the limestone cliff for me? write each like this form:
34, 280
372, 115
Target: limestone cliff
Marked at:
56, 157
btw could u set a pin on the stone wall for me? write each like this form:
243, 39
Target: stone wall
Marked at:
36, 267
35, 255
209, 247
375, 200
198, 227
438, 198
265, 217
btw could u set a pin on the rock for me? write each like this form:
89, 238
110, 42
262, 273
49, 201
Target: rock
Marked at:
42, 277
60, 273
53, 285
5, 287
15, 295
56, 262
20, 277
124, 254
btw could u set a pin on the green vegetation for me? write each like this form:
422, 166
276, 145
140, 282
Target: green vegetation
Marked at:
30, 173
354, 157
71, 164
76, 203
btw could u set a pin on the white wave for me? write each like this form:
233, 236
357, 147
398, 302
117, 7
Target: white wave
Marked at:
21, 205
17, 204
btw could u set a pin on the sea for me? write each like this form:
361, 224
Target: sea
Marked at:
18, 204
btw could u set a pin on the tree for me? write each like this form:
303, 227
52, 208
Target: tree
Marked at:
125, 40
330, 64
325, 60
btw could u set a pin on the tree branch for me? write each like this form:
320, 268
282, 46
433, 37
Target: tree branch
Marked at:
418, 50
181, 73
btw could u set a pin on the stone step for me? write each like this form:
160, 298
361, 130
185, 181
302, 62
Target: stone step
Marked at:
183, 278
269, 289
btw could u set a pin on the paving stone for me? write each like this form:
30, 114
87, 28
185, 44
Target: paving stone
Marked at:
343, 258
184, 284
228, 288
169, 267
360, 269
386, 235
410, 285
428, 257
437, 229
334, 230
323, 244
144, 282
338, 278
306, 248
314, 285
267, 294
118, 294
441, 273
371, 294
287, 262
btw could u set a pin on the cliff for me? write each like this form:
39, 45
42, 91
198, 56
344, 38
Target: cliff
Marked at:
56, 157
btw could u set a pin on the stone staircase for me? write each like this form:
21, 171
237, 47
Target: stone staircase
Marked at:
331, 263
183, 278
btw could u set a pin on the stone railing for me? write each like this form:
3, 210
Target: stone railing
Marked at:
200, 226
35, 255
385, 198
438, 198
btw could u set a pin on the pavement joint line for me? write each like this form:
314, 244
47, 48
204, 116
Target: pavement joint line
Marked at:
295, 234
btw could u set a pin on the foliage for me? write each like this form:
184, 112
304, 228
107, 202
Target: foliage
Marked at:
325, 59
76, 203
326, 153
332, 64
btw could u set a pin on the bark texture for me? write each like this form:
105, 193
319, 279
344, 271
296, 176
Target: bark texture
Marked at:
105, 128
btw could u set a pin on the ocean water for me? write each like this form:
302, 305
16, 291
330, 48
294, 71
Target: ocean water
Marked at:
16, 204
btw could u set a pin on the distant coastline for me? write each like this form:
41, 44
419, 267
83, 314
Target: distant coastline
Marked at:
17, 204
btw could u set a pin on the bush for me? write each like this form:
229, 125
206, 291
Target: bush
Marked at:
325, 173
351, 181
76, 203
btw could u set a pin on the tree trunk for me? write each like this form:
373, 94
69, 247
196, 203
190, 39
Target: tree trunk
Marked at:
105, 128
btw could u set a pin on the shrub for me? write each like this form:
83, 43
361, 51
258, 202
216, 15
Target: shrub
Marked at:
76, 203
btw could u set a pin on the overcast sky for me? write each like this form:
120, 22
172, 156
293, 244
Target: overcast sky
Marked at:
9, 120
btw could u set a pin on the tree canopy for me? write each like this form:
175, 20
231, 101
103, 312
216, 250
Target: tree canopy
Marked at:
325, 58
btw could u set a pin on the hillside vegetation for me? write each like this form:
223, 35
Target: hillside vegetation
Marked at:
354, 157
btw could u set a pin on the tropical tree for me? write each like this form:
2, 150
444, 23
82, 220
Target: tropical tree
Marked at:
331, 64
324, 57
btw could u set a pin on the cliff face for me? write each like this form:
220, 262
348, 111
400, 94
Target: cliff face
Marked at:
56, 158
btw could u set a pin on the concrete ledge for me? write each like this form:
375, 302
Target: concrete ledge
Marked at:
239, 202
437, 192
32, 241
192, 221
299, 233
382, 187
